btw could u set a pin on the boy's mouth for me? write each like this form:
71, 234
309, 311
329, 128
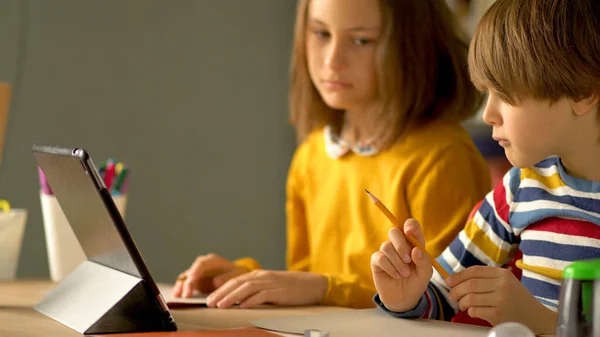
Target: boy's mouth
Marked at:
501, 141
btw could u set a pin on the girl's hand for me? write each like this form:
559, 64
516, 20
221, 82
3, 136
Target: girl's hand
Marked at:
205, 275
265, 286
495, 295
401, 272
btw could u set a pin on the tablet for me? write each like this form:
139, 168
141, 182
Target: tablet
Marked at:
99, 227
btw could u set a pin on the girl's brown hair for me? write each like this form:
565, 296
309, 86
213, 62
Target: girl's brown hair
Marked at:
539, 49
421, 71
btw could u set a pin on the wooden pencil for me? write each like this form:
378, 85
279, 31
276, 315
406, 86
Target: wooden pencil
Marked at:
410, 238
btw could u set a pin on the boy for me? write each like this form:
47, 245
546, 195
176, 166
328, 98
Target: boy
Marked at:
539, 62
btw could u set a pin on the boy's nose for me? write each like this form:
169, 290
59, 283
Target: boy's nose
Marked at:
491, 114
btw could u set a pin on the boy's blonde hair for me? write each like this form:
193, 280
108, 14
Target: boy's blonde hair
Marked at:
421, 72
539, 49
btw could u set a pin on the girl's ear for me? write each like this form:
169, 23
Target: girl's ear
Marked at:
585, 105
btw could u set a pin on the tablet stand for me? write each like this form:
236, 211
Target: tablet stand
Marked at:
95, 299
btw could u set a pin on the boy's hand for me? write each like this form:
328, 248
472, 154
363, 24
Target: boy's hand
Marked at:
495, 295
205, 275
401, 272
266, 286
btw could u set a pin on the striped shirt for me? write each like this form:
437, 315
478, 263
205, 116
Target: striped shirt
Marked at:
551, 217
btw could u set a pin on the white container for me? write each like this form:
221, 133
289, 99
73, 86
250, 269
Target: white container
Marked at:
64, 251
12, 227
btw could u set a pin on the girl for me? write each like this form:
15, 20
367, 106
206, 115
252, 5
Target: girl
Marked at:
378, 91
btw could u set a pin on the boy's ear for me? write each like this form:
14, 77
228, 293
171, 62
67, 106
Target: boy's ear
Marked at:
585, 105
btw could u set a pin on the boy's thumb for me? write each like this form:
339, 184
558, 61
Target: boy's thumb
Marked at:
421, 260
413, 228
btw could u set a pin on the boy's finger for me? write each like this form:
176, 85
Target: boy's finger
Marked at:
419, 258
413, 228
380, 263
477, 300
401, 245
422, 263
472, 273
388, 249
472, 286
489, 314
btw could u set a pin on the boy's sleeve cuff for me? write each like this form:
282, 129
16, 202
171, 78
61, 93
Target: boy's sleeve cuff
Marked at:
417, 312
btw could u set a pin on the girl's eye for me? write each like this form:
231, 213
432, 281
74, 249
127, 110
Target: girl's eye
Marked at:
321, 33
361, 42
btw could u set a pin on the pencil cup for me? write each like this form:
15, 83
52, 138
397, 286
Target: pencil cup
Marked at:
12, 227
121, 203
64, 251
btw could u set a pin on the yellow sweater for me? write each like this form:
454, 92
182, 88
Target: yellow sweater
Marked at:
435, 175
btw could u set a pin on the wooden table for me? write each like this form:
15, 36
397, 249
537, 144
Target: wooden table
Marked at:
19, 319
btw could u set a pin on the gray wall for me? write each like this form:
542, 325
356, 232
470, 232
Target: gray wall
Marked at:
9, 34
191, 94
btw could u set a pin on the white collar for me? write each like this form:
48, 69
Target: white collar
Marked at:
337, 147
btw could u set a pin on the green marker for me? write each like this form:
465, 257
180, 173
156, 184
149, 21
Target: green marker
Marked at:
121, 179
579, 303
